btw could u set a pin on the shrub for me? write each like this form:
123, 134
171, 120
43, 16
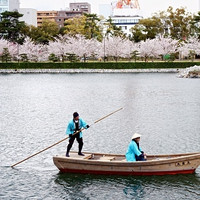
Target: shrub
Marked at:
53, 57
98, 65
23, 57
72, 57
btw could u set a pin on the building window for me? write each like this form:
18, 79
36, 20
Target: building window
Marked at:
4, 2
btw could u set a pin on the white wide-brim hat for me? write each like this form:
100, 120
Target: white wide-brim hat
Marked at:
136, 135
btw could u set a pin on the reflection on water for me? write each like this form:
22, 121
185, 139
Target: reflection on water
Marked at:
35, 110
149, 187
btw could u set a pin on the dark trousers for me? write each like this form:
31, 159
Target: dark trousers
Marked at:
140, 157
71, 141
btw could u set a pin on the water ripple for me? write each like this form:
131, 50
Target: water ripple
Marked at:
35, 110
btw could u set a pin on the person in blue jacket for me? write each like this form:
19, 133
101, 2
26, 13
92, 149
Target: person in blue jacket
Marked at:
134, 152
76, 124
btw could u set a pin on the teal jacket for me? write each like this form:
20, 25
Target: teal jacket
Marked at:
132, 151
71, 127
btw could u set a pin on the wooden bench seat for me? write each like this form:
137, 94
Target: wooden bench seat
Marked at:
110, 158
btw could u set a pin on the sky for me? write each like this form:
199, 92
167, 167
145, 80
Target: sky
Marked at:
147, 6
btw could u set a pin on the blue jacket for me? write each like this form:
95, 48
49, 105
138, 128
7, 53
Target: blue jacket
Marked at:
71, 127
132, 151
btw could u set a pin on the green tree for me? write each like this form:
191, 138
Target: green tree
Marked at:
135, 55
137, 33
49, 27
178, 22
37, 35
48, 31
87, 25
92, 27
5, 56
195, 25
75, 26
112, 29
11, 28
62, 31
147, 29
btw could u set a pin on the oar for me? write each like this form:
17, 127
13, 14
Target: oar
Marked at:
64, 139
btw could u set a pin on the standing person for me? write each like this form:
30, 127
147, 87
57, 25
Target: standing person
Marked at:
134, 152
76, 124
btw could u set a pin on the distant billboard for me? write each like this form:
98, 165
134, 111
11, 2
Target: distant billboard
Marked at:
123, 4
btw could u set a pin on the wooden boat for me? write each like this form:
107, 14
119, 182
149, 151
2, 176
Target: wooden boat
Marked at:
114, 164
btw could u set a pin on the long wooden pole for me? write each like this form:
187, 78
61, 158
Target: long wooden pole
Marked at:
107, 115
63, 139
40, 152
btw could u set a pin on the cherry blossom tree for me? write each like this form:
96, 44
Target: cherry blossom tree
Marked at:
130, 48
34, 52
3, 44
12, 48
116, 47
166, 45
148, 49
60, 47
157, 47
189, 47
78, 45
83, 47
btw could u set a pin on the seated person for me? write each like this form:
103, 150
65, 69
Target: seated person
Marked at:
134, 152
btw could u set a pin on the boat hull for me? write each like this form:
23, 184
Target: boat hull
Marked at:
171, 165
156, 173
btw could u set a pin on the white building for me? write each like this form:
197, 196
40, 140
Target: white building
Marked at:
199, 4
126, 22
9, 5
29, 16
126, 14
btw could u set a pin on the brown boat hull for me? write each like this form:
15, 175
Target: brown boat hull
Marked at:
110, 164
158, 173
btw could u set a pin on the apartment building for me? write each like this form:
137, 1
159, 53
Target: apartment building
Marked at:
75, 10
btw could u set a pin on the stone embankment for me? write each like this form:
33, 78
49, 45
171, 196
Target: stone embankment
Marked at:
190, 72
72, 71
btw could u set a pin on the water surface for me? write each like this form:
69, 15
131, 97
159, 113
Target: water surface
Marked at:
35, 110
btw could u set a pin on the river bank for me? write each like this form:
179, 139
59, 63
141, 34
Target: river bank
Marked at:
72, 71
